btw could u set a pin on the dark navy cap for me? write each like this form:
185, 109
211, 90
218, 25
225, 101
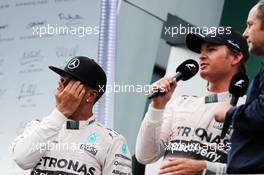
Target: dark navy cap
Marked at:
229, 38
85, 70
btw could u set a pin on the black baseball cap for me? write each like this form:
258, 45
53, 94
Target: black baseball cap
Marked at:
85, 70
230, 38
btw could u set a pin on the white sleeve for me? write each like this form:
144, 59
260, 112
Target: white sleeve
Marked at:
118, 158
215, 168
29, 147
153, 135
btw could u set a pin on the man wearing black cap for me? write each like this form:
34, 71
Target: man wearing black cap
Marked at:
69, 141
247, 154
185, 131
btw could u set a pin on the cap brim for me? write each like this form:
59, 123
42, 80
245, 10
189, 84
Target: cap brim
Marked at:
59, 71
62, 72
195, 41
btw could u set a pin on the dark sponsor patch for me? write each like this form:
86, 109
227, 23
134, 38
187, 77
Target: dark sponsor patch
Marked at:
211, 98
117, 163
120, 172
47, 172
218, 125
123, 157
72, 125
88, 148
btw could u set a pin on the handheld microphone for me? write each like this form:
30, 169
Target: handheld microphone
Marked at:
238, 87
184, 71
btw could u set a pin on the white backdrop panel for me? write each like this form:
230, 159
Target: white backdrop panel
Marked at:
26, 84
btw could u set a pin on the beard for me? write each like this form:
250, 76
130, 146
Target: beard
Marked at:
256, 50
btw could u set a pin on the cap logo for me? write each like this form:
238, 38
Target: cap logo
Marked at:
232, 43
74, 63
201, 35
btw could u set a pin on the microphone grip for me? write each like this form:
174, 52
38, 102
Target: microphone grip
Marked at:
228, 121
226, 126
178, 77
234, 100
154, 94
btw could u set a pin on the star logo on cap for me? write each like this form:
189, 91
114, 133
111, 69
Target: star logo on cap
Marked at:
233, 43
74, 63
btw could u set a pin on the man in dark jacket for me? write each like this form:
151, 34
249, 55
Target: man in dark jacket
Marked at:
247, 144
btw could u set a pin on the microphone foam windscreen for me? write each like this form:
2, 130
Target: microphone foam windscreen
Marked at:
239, 84
188, 69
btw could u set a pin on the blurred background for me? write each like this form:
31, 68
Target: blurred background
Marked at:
135, 41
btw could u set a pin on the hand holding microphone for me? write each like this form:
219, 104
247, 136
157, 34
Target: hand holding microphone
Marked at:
164, 88
238, 87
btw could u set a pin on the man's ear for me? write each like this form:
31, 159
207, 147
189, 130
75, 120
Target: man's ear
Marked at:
237, 57
91, 96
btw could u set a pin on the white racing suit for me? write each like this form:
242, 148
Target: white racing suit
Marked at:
58, 146
186, 128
